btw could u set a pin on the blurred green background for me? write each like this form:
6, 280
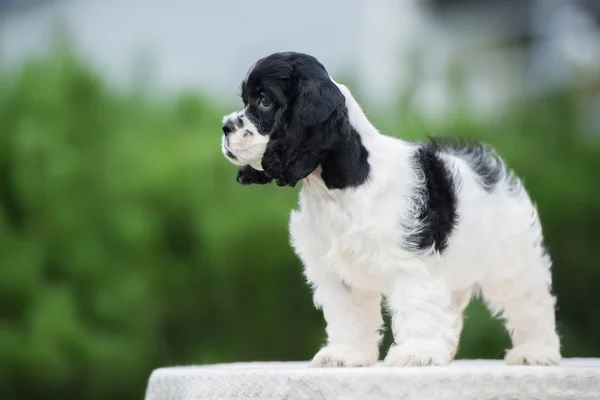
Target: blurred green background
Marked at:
127, 245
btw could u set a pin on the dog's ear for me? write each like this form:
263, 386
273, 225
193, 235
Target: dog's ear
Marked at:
305, 130
247, 176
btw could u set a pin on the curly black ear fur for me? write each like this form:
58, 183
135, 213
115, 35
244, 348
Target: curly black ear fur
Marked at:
247, 175
306, 129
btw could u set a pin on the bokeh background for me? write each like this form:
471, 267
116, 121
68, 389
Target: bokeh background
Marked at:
125, 242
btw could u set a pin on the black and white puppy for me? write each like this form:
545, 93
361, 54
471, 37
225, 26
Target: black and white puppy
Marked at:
423, 225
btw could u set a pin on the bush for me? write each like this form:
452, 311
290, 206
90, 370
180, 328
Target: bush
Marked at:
126, 244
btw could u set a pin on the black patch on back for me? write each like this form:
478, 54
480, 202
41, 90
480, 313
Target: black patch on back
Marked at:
484, 162
437, 215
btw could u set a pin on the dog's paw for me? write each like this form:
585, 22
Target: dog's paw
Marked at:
418, 353
343, 356
533, 354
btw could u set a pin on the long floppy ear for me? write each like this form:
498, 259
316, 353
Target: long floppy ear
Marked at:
247, 175
306, 129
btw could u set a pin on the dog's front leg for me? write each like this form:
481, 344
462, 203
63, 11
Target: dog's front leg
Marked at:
423, 322
353, 320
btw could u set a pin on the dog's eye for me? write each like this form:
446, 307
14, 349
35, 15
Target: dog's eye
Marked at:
264, 102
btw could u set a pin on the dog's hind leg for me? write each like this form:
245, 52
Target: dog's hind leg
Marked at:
523, 298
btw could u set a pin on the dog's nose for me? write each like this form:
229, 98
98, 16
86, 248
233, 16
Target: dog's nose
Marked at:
228, 127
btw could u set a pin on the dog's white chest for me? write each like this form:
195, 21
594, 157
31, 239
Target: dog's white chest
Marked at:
343, 241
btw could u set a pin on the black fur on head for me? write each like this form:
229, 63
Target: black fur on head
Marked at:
306, 119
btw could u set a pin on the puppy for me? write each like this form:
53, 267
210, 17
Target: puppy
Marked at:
424, 226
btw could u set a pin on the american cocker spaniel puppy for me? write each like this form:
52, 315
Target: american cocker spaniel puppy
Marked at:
423, 226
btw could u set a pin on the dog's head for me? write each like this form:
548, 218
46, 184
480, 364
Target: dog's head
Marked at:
293, 115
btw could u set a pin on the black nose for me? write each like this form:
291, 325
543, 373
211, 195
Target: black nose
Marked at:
228, 127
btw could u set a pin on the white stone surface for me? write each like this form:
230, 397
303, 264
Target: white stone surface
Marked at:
575, 378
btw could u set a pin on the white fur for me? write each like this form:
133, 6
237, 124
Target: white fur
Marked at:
350, 242
246, 143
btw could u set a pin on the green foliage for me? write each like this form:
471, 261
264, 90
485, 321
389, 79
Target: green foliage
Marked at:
126, 244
